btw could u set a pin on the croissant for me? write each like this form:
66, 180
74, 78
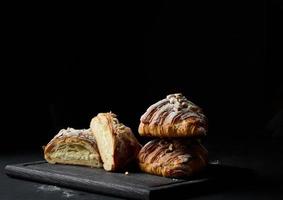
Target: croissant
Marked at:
71, 146
174, 116
172, 157
116, 142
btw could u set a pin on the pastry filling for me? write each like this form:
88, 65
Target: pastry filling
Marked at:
74, 152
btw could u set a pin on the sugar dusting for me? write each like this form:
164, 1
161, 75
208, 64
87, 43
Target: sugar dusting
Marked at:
67, 194
50, 188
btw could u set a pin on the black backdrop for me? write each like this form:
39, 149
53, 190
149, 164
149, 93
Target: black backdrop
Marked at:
66, 63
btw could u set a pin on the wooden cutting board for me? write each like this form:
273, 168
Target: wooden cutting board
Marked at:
134, 185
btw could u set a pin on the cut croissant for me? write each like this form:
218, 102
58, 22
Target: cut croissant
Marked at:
75, 147
116, 142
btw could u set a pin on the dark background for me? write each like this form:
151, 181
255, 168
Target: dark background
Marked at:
63, 64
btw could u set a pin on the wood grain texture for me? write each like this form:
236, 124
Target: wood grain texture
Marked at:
135, 185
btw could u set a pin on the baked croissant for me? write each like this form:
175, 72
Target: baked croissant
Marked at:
174, 116
116, 142
71, 146
172, 157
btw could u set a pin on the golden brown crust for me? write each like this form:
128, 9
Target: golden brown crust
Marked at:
173, 116
76, 141
121, 145
173, 157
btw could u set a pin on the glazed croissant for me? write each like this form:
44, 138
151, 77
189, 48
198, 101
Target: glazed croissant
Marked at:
172, 157
116, 142
174, 116
71, 146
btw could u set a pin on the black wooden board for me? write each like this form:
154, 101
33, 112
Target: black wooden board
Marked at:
134, 185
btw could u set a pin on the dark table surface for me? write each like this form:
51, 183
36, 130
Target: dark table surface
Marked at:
263, 157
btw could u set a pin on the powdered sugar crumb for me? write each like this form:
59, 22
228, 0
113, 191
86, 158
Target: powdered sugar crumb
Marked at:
51, 188
67, 194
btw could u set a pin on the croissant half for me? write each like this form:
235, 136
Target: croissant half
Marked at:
71, 146
172, 157
116, 142
174, 116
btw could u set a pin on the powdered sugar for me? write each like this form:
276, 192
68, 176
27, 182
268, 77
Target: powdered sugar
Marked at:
51, 189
